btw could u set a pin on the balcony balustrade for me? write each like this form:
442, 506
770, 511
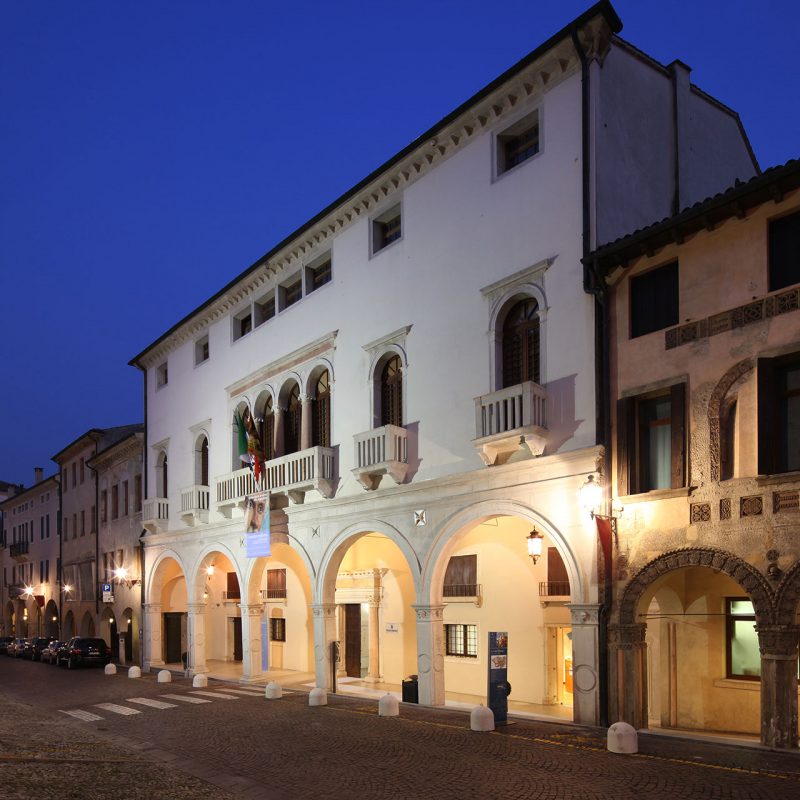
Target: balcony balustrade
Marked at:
378, 452
554, 589
19, 550
294, 475
155, 514
195, 503
510, 419
462, 593
272, 594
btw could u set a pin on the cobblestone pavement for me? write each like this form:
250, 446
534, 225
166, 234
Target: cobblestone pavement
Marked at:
239, 745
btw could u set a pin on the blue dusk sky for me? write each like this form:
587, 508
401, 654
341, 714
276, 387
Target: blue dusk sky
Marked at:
151, 151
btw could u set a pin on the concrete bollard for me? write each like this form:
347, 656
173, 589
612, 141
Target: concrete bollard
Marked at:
622, 738
388, 706
274, 691
481, 719
318, 697
199, 681
164, 676
110, 669
134, 672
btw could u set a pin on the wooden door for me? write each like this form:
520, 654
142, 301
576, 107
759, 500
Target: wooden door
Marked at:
237, 638
172, 638
352, 640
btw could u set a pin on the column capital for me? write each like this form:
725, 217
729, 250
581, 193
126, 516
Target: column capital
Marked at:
584, 613
778, 641
152, 608
428, 613
326, 610
251, 609
196, 608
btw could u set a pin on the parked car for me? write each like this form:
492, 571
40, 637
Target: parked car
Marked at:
16, 647
5, 641
37, 644
84, 650
50, 652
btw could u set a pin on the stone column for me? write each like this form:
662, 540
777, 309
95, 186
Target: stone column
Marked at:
153, 647
627, 674
778, 645
585, 663
341, 671
251, 641
305, 421
196, 623
324, 634
280, 423
430, 654
374, 673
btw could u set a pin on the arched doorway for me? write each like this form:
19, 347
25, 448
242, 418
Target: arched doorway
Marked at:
371, 589
217, 587
167, 630
68, 628
128, 626
487, 582
51, 619
108, 631
87, 625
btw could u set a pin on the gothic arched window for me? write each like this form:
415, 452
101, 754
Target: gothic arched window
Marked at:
392, 392
321, 413
521, 342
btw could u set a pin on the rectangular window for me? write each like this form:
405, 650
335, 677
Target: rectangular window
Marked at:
137, 493
318, 273
233, 591
201, 351
277, 629
74, 474
654, 300
784, 251
75, 526
779, 414
386, 228
743, 655
47, 526
242, 323
162, 375
290, 292
83, 467
125, 499
41, 528
461, 640
83, 523
265, 308
518, 143
104, 506
276, 584
651, 441
115, 501
461, 578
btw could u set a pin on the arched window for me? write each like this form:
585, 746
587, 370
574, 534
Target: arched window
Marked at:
162, 484
201, 462
267, 430
291, 431
521, 343
392, 392
321, 412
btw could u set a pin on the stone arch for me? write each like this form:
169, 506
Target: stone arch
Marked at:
155, 582
746, 575
201, 451
287, 382
240, 406
325, 580
255, 568
315, 369
459, 523
87, 625
197, 580
51, 619
787, 596
715, 407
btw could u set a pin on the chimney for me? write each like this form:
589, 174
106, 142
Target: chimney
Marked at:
38, 474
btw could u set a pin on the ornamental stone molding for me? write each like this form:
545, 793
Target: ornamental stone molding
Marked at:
778, 641
429, 613
584, 614
746, 575
323, 610
252, 609
787, 596
736, 372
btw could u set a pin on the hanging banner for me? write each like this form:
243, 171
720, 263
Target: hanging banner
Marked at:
256, 525
499, 687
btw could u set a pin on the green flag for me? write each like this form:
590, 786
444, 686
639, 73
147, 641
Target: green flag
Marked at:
243, 455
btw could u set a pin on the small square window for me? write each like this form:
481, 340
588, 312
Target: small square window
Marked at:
654, 300
277, 629
318, 273
265, 308
162, 375
201, 351
518, 143
461, 640
242, 323
290, 292
784, 252
386, 228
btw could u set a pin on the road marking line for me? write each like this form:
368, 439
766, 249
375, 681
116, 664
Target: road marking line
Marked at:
84, 716
116, 709
247, 692
184, 699
148, 701
217, 694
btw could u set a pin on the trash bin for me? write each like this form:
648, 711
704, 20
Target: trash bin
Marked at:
411, 689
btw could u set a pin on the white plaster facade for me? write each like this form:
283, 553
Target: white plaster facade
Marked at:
475, 239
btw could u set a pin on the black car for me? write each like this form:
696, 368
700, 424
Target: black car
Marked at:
34, 650
5, 641
84, 650
49, 653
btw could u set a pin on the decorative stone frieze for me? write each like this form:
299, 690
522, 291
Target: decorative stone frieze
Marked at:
778, 641
752, 506
699, 512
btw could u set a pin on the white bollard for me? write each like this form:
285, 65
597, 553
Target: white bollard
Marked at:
273, 691
110, 669
164, 676
318, 697
481, 719
134, 672
622, 738
199, 681
388, 706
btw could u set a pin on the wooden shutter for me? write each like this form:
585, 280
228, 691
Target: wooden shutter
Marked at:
626, 442
677, 396
765, 371
233, 587
462, 575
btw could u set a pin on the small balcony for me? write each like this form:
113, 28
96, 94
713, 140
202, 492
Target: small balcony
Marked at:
19, 550
381, 451
509, 420
293, 475
155, 514
195, 502
554, 593
272, 594
462, 593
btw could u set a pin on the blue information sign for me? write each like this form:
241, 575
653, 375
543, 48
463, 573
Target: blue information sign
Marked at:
497, 698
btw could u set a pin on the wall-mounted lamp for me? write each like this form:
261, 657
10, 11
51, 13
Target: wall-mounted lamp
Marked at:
591, 494
121, 576
535, 544
66, 588
55, 619
28, 592
210, 570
